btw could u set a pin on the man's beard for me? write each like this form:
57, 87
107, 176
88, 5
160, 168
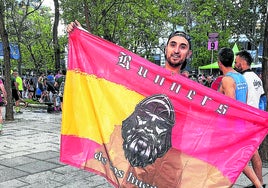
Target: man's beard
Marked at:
142, 148
238, 70
175, 65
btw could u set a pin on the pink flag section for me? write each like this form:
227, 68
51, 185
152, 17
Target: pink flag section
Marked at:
208, 126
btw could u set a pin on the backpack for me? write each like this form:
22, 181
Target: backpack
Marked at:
263, 102
61, 88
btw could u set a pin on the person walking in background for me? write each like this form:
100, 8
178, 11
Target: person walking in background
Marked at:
25, 91
20, 87
3, 102
243, 62
50, 78
15, 92
263, 98
217, 82
31, 88
209, 80
50, 82
185, 73
19, 81
60, 83
58, 74
233, 84
41, 82
34, 83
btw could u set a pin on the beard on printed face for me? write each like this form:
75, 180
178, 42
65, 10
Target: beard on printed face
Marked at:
146, 136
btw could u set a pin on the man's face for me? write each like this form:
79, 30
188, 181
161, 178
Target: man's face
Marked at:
239, 63
177, 51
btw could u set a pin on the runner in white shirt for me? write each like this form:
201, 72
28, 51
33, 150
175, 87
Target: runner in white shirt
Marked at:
255, 87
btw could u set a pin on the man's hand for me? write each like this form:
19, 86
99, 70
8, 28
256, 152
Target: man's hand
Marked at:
72, 25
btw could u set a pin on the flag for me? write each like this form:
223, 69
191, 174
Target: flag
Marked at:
139, 125
14, 51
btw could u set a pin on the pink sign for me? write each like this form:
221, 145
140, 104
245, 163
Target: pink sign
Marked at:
213, 45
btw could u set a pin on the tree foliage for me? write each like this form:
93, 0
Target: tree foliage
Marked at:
37, 42
30, 26
17, 13
135, 24
131, 24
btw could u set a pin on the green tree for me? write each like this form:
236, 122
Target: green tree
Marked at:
131, 24
30, 26
17, 14
36, 42
206, 17
249, 19
56, 45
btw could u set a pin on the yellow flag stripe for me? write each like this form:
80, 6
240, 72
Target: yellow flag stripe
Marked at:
93, 106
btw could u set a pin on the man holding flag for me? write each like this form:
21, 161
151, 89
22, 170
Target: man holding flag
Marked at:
135, 115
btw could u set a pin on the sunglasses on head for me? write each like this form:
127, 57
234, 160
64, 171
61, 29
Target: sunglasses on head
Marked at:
180, 33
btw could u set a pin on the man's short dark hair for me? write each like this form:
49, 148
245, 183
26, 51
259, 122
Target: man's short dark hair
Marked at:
246, 56
226, 56
181, 34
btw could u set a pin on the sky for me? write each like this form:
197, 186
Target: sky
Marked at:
50, 3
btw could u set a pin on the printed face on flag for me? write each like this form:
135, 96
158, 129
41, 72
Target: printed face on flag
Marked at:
147, 131
139, 125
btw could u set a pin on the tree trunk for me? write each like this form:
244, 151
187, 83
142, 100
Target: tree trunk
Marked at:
55, 35
86, 12
20, 59
264, 145
4, 37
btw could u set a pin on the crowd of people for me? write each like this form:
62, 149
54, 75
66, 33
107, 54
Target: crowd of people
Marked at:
204, 79
38, 87
43, 88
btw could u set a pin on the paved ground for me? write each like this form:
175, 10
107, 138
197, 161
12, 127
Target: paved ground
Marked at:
29, 155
